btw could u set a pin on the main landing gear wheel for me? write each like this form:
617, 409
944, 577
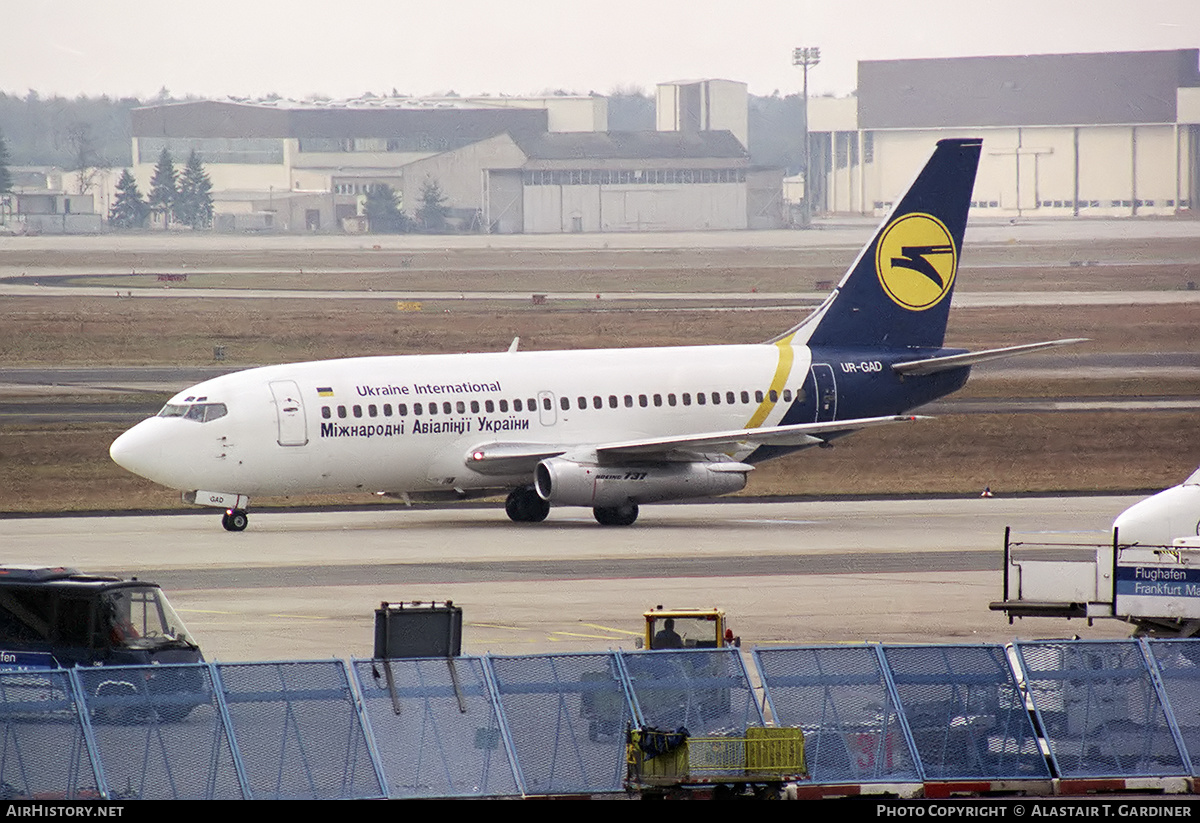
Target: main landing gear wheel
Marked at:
623, 515
524, 506
235, 520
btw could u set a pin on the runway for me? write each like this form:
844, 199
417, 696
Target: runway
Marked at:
303, 585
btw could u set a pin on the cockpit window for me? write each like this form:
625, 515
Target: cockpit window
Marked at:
200, 412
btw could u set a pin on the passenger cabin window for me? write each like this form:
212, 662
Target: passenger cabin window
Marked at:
564, 403
461, 406
517, 405
612, 401
358, 411
417, 409
687, 398
372, 410
503, 405
474, 407
387, 409
489, 406
342, 412
700, 398
670, 399
326, 413
446, 407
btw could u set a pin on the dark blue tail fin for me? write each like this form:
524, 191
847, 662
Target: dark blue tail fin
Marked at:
897, 294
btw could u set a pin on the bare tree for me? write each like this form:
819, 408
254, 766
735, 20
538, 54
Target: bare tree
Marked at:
86, 162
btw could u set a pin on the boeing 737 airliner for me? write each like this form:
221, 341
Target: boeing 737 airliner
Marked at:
609, 429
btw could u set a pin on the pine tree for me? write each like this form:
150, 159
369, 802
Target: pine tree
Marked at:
5, 176
129, 210
164, 190
383, 211
194, 205
433, 211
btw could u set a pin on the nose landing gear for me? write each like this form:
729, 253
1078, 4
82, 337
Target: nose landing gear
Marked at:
235, 520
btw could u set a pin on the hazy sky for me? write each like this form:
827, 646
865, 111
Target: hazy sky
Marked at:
297, 48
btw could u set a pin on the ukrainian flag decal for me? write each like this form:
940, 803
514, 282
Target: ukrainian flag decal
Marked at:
325, 391
916, 261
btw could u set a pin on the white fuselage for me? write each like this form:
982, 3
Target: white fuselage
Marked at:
365, 424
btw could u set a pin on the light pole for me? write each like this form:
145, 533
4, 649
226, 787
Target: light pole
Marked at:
806, 56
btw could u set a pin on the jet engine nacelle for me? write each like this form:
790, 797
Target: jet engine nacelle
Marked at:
566, 482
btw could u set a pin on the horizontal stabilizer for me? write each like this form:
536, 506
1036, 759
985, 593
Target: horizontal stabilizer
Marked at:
933, 365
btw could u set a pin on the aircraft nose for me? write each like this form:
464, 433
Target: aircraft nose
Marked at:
137, 450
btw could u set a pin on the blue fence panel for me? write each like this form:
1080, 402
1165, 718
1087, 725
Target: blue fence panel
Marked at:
43, 751
841, 699
566, 715
435, 728
707, 691
966, 715
298, 731
1100, 711
159, 732
1178, 664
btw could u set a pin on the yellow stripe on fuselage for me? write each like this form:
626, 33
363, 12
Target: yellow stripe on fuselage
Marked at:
782, 372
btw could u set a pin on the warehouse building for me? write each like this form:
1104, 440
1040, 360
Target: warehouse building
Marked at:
1111, 134
504, 165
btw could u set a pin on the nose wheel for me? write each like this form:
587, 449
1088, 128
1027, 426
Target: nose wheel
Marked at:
235, 520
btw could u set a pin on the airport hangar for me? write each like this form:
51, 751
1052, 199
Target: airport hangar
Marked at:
1064, 135
505, 165
1105, 134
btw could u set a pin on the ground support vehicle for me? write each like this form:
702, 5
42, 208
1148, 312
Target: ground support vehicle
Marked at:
57, 617
686, 629
1154, 588
758, 761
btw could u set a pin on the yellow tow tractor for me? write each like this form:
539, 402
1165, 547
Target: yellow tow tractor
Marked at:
687, 629
756, 760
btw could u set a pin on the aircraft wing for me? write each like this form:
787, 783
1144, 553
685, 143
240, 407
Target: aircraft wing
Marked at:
514, 458
797, 434
511, 458
933, 365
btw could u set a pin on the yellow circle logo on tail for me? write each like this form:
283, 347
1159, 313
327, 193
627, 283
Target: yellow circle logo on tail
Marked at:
916, 261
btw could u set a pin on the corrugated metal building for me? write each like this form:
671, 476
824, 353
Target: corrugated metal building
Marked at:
1064, 134
307, 166
294, 167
